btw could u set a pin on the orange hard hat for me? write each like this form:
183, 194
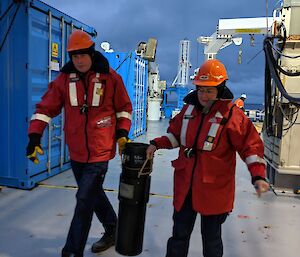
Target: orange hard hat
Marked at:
211, 74
79, 40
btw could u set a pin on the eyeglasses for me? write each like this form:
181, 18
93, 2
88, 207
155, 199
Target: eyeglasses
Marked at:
208, 91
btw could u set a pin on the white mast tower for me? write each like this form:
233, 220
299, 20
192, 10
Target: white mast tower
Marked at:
184, 64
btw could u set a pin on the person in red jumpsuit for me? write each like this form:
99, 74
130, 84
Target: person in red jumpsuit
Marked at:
97, 114
209, 131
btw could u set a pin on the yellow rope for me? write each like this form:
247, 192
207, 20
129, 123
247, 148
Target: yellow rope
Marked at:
105, 189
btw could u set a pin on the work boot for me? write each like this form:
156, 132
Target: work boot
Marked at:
106, 241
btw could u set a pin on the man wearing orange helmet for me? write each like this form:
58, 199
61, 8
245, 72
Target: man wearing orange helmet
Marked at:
97, 115
209, 131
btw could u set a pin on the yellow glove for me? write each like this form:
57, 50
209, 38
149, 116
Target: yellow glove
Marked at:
122, 141
33, 156
34, 147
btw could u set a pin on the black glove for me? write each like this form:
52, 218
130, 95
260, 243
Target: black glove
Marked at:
34, 147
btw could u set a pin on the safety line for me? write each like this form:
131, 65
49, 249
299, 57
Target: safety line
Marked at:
105, 190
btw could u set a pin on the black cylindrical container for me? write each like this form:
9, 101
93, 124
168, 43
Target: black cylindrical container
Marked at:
133, 197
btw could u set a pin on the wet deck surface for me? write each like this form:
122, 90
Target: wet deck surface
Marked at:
35, 223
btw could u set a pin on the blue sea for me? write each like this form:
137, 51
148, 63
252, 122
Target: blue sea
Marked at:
249, 106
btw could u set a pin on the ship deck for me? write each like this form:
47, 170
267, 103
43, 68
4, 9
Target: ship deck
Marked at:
35, 223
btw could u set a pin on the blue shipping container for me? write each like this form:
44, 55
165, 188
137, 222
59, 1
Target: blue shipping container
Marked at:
173, 99
134, 72
33, 38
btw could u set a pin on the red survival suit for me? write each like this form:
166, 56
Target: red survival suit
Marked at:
210, 172
91, 134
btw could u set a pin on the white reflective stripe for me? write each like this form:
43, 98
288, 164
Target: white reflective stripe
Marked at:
218, 115
97, 94
254, 158
207, 146
213, 129
97, 75
73, 75
73, 94
172, 139
123, 115
184, 125
39, 116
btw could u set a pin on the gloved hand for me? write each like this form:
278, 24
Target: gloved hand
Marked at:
122, 141
34, 147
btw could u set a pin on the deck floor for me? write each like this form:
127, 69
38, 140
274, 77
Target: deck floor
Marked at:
35, 223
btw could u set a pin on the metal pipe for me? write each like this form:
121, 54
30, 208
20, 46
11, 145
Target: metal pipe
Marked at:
49, 80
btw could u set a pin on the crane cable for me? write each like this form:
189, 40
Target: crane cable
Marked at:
273, 67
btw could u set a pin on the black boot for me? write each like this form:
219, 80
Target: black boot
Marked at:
106, 241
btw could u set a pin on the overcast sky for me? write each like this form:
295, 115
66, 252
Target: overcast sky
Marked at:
125, 23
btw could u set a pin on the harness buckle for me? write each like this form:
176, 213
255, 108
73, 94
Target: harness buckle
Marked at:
189, 152
84, 109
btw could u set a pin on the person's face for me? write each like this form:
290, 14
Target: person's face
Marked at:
206, 94
82, 62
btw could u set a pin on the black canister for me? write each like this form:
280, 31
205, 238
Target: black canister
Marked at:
133, 197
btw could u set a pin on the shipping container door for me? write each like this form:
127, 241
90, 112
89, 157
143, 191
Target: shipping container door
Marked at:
140, 89
46, 35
